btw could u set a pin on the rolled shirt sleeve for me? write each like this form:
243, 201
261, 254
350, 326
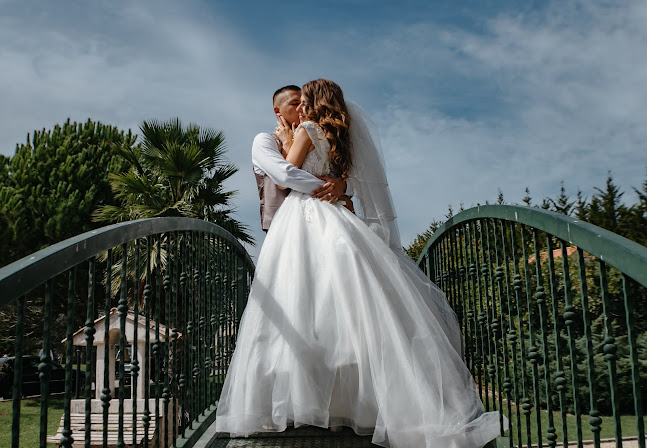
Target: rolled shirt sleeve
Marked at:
267, 158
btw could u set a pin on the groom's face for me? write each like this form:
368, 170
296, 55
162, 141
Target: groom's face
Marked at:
286, 106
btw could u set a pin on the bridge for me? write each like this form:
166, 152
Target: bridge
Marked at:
551, 309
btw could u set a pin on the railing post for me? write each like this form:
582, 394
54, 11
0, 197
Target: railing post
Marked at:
569, 316
147, 337
89, 350
174, 322
213, 321
560, 377
45, 365
540, 295
499, 275
190, 329
511, 336
485, 320
134, 364
105, 393
594, 421
610, 350
475, 315
17, 376
168, 291
494, 323
157, 371
533, 351
184, 249
462, 315
66, 439
525, 403
633, 356
123, 311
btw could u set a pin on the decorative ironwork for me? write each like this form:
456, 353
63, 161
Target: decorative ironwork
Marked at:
531, 347
163, 325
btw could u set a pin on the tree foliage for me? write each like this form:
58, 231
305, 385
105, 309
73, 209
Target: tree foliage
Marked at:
605, 209
54, 182
176, 171
48, 192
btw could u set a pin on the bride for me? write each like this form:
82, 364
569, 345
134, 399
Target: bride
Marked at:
341, 328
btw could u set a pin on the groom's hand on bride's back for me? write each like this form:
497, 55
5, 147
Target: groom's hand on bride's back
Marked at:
332, 190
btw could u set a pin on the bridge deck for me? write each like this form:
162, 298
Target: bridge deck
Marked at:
305, 436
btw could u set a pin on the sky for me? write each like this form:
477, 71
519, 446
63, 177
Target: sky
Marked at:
469, 96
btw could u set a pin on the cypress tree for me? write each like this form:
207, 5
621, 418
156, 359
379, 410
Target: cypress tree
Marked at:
606, 207
527, 199
581, 210
562, 204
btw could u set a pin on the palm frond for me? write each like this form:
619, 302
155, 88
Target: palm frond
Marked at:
127, 152
130, 183
177, 170
110, 213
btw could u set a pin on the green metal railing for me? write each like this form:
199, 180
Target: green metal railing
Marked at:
178, 284
553, 316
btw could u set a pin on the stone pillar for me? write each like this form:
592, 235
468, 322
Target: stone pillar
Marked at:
112, 377
111, 340
141, 359
99, 372
112, 374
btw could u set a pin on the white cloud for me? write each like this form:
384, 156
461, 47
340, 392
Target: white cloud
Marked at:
570, 105
180, 67
531, 99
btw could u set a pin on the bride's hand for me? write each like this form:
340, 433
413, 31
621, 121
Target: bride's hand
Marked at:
284, 132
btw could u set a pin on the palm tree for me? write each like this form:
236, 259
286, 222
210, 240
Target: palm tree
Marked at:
176, 171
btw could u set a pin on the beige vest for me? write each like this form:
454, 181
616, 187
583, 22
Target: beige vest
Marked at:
271, 198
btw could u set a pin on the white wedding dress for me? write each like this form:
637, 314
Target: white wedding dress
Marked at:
340, 329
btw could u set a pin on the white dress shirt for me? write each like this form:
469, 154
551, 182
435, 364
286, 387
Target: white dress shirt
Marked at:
267, 158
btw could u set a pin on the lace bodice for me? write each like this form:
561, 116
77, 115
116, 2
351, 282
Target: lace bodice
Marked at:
316, 161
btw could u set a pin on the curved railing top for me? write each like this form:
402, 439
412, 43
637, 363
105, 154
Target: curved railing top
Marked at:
618, 251
18, 278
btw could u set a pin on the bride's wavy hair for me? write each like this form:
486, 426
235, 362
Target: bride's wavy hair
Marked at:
324, 104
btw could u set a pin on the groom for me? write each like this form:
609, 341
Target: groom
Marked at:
271, 169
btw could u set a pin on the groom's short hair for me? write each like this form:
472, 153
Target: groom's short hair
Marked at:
291, 87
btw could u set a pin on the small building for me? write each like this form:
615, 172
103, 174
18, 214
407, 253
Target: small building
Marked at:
114, 336
77, 409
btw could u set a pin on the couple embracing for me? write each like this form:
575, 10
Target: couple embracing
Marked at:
341, 328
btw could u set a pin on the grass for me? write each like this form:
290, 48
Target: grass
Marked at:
30, 420
30, 417
628, 423
30, 423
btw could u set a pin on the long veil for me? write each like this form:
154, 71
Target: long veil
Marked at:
372, 197
374, 205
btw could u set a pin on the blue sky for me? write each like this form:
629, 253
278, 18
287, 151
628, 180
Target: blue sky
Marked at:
469, 96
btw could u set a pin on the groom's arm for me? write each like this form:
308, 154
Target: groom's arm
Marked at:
265, 156
334, 186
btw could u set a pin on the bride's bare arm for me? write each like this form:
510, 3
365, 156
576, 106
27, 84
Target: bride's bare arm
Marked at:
297, 153
299, 149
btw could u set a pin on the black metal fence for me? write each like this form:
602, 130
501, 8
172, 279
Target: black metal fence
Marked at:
554, 320
157, 304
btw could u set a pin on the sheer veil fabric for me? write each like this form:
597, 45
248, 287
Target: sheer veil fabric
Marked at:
374, 204
341, 328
